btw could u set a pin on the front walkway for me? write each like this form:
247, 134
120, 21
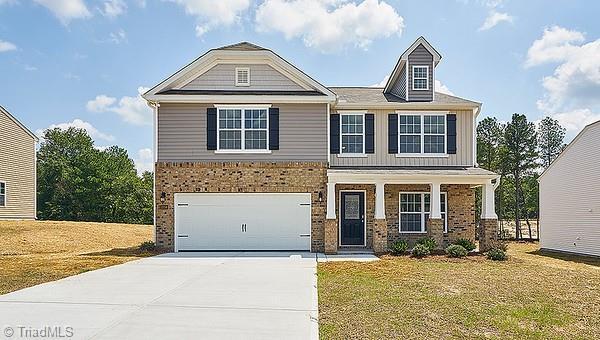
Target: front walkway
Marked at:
176, 296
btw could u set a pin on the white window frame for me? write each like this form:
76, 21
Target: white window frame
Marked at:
423, 212
237, 80
423, 114
354, 154
243, 108
420, 78
4, 194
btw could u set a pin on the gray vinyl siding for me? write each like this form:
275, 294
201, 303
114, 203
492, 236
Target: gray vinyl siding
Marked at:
569, 197
399, 87
182, 134
262, 77
420, 56
381, 157
17, 170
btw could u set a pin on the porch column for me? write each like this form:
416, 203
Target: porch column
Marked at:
488, 225
331, 229
380, 223
435, 225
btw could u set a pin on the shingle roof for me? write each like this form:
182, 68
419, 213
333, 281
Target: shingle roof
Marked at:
375, 95
242, 46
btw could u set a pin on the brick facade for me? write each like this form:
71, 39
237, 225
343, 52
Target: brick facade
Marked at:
488, 233
300, 177
435, 230
380, 240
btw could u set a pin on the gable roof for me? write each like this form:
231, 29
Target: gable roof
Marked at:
371, 97
404, 58
11, 117
170, 88
568, 147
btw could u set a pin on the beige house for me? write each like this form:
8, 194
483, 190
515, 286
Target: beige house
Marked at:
17, 169
254, 154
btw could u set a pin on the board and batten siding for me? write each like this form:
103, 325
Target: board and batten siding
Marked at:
262, 77
420, 57
381, 157
570, 199
182, 135
17, 170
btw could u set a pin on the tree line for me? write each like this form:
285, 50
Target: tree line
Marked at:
519, 151
79, 182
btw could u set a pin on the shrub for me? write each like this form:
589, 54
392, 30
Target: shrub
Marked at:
499, 244
496, 254
465, 243
420, 250
147, 246
456, 250
399, 247
428, 243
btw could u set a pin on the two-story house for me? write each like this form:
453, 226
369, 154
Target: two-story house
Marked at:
254, 154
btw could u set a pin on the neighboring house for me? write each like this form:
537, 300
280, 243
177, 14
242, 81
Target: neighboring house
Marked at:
570, 199
253, 154
17, 169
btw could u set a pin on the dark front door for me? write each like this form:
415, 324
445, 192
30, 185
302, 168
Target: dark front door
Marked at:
352, 218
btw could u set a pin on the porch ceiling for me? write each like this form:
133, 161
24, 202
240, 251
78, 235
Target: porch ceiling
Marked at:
467, 175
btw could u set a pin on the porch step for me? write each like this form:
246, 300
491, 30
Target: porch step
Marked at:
354, 250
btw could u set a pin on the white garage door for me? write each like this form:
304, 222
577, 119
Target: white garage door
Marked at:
242, 221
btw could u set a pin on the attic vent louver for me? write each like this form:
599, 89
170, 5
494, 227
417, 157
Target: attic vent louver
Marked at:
242, 76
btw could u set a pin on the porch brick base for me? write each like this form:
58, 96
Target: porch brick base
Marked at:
435, 230
380, 239
331, 236
488, 229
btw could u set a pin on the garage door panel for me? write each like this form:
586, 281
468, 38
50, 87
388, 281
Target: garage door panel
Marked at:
214, 221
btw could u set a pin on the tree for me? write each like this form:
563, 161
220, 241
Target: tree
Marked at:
489, 139
551, 137
519, 157
78, 182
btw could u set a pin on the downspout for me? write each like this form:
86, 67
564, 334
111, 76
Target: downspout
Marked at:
476, 112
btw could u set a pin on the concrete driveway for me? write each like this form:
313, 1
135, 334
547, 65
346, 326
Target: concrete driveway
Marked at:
175, 296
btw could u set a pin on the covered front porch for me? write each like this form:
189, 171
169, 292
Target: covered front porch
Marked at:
371, 208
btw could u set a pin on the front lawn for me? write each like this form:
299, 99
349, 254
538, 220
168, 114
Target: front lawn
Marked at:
529, 296
33, 252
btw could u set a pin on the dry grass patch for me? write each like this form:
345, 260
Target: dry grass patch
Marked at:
33, 252
528, 296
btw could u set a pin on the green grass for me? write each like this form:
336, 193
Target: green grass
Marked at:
530, 296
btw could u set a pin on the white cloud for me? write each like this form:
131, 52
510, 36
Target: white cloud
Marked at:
144, 160
441, 88
6, 46
118, 37
330, 25
555, 45
133, 110
382, 83
30, 68
572, 92
494, 18
80, 124
66, 10
113, 8
212, 13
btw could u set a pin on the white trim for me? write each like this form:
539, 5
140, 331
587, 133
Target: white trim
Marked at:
155, 159
243, 129
422, 114
422, 212
357, 176
352, 113
426, 77
328, 135
352, 155
5, 194
35, 181
237, 76
406, 106
239, 99
364, 217
406, 85
242, 106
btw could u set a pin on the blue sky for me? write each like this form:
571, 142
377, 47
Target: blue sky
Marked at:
82, 62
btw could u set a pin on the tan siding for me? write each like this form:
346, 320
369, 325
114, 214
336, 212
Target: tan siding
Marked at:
569, 197
262, 77
381, 157
182, 134
17, 169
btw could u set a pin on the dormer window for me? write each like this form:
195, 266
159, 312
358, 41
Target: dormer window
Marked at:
420, 77
242, 76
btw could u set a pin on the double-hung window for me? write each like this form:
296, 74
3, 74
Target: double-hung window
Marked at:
352, 133
243, 129
2, 194
421, 134
414, 211
420, 75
